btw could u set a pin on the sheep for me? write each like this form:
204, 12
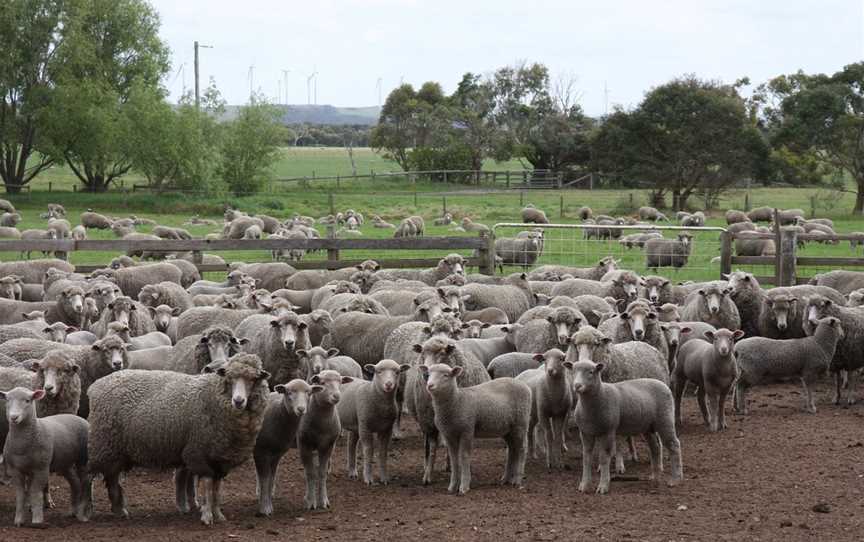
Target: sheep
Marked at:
624, 361
165, 320
318, 323
513, 296
13, 233
696, 219
473, 329
532, 215
652, 214
638, 239
205, 352
511, 365
11, 332
317, 359
638, 322
749, 243
151, 359
130, 313
212, 419
855, 298
712, 305
165, 293
37, 235
585, 213
763, 360
498, 408
278, 344
313, 279
154, 339
841, 280
252, 232
237, 227
668, 252
125, 232
37, 446
317, 434
285, 407
197, 319
378, 222
849, 355
131, 280
789, 216
33, 272
668, 312
95, 361
80, 338
452, 264
10, 220
270, 276
367, 409
623, 288
679, 333
406, 228
551, 402
57, 332
11, 288
485, 350
79, 233
735, 217
604, 411
445, 220
89, 219
552, 331
519, 251
711, 366
61, 227
602, 267
69, 308
101, 292
739, 227
470, 226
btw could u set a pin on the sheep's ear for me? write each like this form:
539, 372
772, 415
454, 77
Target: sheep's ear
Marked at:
606, 340
538, 357
75, 368
152, 311
652, 315
302, 325
274, 323
111, 306
450, 348
599, 368
456, 371
828, 302
485, 325
737, 334
464, 325
701, 291
624, 316
369, 368
47, 330
347, 379
724, 276
302, 353
709, 335
3, 395
417, 301
423, 370
568, 365
417, 348
96, 347
427, 330
685, 330
315, 388
441, 293
220, 371
332, 352
204, 339
550, 319
404, 367
242, 340
263, 375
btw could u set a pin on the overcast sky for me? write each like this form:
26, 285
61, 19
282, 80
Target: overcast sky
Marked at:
626, 45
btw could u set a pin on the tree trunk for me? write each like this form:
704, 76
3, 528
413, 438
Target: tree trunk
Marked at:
676, 200
859, 199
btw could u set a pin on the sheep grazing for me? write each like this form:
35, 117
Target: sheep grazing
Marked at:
634, 407
37, 235
605, 265
652, 214
367, 410
13, 233
498, 408
213, 421
10, 220
89, 219
285, 407
36, 447
668, 252
735, 217
710, 365
762, 360
551, 403
406, 228
585, 213
712, 305
317, 434
532, 215
518, 251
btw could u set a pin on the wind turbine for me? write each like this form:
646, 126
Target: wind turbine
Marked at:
251, 80
315, 84
309, 79
285, 79
378, 87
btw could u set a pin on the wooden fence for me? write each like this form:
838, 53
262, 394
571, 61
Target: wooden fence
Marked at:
482, 247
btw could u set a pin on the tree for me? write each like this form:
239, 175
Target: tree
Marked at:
686, 135
111, 63
31, 31
473, 105
250, 147
821, 117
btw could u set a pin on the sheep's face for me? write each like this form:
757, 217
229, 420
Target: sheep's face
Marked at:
586, 376
740, 281
57, 332
150, 296
452, 264
121, 310
668, 312
235, 277
10, 288
554, 362
818, 308
21, 404
53, 372
566, 321
287, 328
345, 287
712, 298
104, 295
856, 298
385, 374
723, 340
221, 344
91, 309
363, 279
296, 394
73, 297
656, 287
162, 315
429, 309
685, 239
474, 329
240, 377
360, 305
453, 297
259, 299
638, 318
315, 359
112, 351
440, 377
782, 307
629, 284
673, 332
444, 326
587, 344
435, 351
331, 383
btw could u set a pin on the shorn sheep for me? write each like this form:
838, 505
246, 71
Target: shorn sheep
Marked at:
205, 425
668, 252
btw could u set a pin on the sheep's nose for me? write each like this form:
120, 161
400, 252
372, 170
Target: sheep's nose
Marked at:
301, 410
117, 366
653, 298
14, 418
715, 310
388, 386
673, 343
49, 388
289, 344
239, 402
781, 326
639, 333
430, 386
335, 397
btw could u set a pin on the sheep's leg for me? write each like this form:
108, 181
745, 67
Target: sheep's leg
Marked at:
671, 443
85, 505
607, 448
323, 463
852, 385
38, 481
308, 459
557, 441
838, 388
631, 444
587, 460
368, 447
264, 474
465, 445
430, 450
552, 446
618, 453
207, 502
809, 401
116, 496
181, 496
532, 438
655, 455
740, 400
712, 404
74, 482
47, 501
383, 449
21, 486
700, 397
216, 507
353, 437
455, 465
678, 391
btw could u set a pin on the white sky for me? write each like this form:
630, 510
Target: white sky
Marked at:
628, 45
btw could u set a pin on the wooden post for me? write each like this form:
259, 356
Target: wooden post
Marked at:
591, 181
415, 197
337, 182
444, 204
521, 198
813, 206
725, 254
49, 186
197, 257
487, 255
778, 255
561, 206
75, 188
330, 202
788, 263
525, 178
508, 179
747, 202
445, 177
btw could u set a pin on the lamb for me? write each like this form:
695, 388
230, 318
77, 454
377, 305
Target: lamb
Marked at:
660, 290
37, 446
378, 222
213, 420
668, 252
735, 217
712, 305
79, 233
89, 219
551, 403
624, 288
668, 312
317, 434
57, 332
711, 366
167, 232
485, 350
452, 264
532, 215
129, 313
637, 323
843, 281
131, 280
61, 227
165, 293
34, 271
37, 235
762, 360
498, 408
165, 320
473, 329
406, 228
634, 407
679, 333
623, 361
652, 214
471, 226
317, 359
445, 220
369, 409
547, 333
511, 365
285, 407
849, 355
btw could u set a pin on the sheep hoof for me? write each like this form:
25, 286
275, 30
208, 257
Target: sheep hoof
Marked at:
583, 488
602, 490
673, 482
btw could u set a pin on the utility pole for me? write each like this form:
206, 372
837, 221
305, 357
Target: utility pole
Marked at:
197, 82
285, 85
606, 98
378, 85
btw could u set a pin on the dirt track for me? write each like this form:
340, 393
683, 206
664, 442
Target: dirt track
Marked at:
760, 480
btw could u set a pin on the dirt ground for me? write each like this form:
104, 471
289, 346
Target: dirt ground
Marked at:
776, 474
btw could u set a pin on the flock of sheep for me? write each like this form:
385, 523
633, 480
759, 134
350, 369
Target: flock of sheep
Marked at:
147, 365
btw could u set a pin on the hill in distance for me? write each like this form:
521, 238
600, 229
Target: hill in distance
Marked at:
320, 114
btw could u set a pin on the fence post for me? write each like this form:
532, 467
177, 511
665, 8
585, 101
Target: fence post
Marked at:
445, 177
337, 182
788, 261
197, 257
487, 254
591, 181
330, 202
444, 204
725, 254
49, 186
332, 253
525, 177
561, 206
508, 179
415, 197
813, 206
747, 202
521, 198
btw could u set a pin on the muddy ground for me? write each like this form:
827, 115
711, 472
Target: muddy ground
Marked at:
778, 473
